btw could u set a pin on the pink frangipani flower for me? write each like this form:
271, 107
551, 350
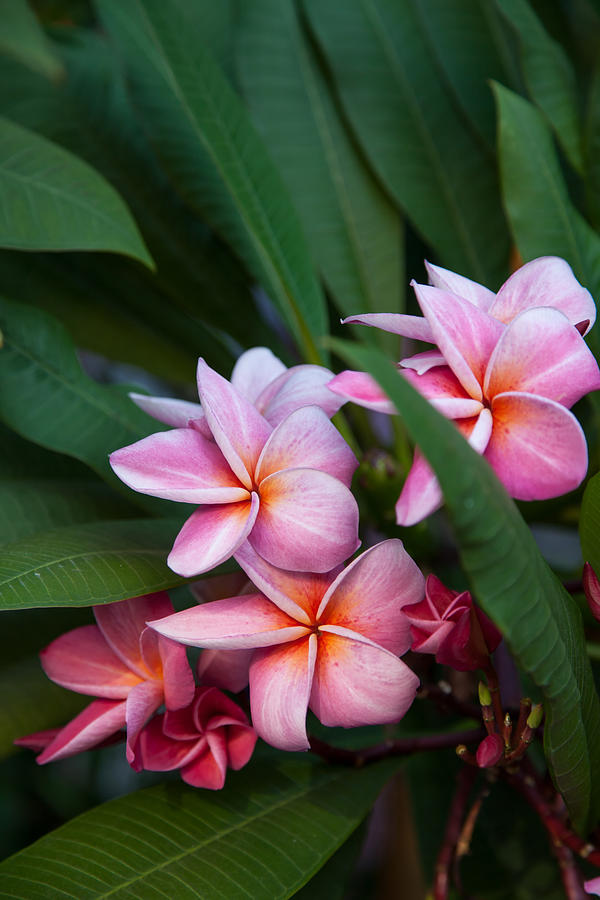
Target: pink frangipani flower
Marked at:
261, 378
283, 489
506, 387
202, 740
329, 642
130, 668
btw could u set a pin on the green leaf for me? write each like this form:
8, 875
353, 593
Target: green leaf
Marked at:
22, 37
54, 201
542, 217
539, 619
84, 565
263, 836
214, 156
353, 230
589, 523
549, 76
417, 141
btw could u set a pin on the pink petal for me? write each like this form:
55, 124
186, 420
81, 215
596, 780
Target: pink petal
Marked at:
142, 701
237, 427
362, 389
178, 465
123, 623
463, 287
299, 594
537, 448
547, 281
37, 741
82, 661
213, 709
423, 362
208, 770
359, 684
444, 391
241, 740
307, 521
414, 327
93, 725
178, 678
236, 623
306, 439
177, 413
254, 370
157, 752
368, 596
421, 494
211, 535
304, 385
228, 669
280, 686
465, 334
541, 353
180, 724
593, 886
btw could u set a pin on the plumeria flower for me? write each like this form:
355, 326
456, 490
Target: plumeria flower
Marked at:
507, 388
202, 740
329, 642
261, 378
447, 624
285, 489
130, 669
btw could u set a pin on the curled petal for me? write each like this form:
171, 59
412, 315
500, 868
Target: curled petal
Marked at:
280, 686
444, 391
211, 535
37, 741
235, 623
176, 413
97, 722
142, 701
368, 596
82, 661
547, 281
157, 752
593, 886
178, 465
414, 327
359, 684
254, 370
421, 494
537, 448
123, 623
363, 390
463, 287
304, 385
423, 362
178, 678
307, 522
208, 769
241, 740
228, 669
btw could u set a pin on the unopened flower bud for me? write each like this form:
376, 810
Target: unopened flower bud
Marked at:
485, 698
490, 751
534, 719
591, 587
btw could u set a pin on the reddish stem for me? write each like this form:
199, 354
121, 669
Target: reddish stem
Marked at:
569, 873
401, 747
441, 883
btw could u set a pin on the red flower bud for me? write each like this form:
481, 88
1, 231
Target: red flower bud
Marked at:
490, 751
591, 587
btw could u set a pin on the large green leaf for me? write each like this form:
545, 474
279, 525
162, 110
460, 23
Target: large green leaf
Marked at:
263, 836
539, 619
589, 523
83, 565
213, 154
54, 201
542, 217
352, 228
22, 37
419, 143
549, 76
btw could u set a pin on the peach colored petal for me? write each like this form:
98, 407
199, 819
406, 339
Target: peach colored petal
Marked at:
98, 721
82, 661
122, 625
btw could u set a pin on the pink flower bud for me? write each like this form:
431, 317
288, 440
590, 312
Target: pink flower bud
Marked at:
490, 751
449, 625
591, 587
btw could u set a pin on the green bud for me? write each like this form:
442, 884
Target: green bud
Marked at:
534, 719
485, 698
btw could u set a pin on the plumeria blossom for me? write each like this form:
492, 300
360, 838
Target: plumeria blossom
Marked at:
131, 669
447, 624
284, 489
202, 740
329, 642
261, 378
507, 388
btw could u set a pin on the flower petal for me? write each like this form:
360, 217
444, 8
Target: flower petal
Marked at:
421, 494
368, 596
209, 768
423, 362
211, 535
93, 725
228, 669
237, 427
178, 678
444, 391
547, 281
123, 623
541, 353
306, 439
280, 686
465, 334
176, 413
142, 701
362, 389
415, 327
307, 521
82, 661
241, 740
157, 752
537, 448
178, 465
254, 370
304, 385
463, 287
235, 623
298, 594
359, 684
